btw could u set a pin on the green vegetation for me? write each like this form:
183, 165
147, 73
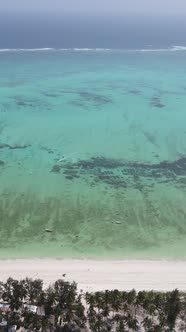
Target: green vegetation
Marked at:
60, 307
30, 306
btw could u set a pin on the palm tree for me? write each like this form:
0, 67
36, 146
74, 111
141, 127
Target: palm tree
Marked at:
79, 311
14, 318
131, 297
173, 308
132, 322
65, 296
13, 293
100, 324
34, 290
116, 300
120, 321
147, 323
99, 300
91, 303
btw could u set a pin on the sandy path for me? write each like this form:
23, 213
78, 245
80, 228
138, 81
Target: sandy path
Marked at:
99, 275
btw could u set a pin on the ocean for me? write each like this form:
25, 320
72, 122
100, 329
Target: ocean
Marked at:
92, 149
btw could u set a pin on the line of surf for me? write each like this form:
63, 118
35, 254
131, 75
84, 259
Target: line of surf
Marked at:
52, 49
48, 49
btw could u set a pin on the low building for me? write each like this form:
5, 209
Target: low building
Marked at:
4, 307
39, 310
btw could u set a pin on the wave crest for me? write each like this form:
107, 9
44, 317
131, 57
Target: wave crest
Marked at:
49, 49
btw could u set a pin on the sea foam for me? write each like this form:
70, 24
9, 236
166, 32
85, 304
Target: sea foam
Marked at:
49, 49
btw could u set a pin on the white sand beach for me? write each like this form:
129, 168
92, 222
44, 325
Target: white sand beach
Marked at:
93, 275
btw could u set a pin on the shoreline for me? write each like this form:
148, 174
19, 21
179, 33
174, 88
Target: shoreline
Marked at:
98, 274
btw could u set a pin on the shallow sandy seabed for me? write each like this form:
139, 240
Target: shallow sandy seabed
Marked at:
94, 275
92, 148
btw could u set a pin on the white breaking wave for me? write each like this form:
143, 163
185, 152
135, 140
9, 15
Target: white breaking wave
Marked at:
49, 49
169, 49
26, 49
53, 49
92, 49
179, 48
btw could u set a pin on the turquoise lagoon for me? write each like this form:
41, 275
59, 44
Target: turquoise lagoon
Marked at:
93, 148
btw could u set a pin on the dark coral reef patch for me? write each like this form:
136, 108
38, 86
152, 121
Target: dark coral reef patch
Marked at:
121, 174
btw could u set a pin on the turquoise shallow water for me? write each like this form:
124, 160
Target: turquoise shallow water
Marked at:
93, 148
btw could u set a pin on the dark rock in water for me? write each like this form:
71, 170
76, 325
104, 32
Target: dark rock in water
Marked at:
178, 167
45, 148
156, 102
77, 103
69, 177
56, 169
23, 103
13, 147
114, 180
70, 173
98, 99
2, 146
2, 163
159, 105
134, 91
51, 95
103, 162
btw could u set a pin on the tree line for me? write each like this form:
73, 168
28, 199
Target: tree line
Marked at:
66, 309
